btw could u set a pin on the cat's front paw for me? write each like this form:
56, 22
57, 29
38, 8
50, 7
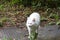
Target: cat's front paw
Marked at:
28, 36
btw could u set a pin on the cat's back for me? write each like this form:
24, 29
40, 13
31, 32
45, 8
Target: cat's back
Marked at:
35, 15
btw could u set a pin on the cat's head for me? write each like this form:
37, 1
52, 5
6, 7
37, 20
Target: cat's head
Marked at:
30, 22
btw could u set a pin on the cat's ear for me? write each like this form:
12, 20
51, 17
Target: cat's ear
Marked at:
33, 19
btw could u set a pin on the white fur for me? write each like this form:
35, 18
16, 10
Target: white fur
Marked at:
33, 22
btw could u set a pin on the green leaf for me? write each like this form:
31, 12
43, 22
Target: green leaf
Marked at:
58, 23
51, 23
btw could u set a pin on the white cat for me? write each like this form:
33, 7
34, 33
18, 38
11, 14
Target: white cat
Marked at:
33, 22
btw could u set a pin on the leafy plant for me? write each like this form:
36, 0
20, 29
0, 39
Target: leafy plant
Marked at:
2, 20
58, 22
56, 17
52, 23
1, 7
33, 36
1, 24
43, 18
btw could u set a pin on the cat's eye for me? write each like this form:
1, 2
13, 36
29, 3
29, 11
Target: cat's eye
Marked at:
34, 20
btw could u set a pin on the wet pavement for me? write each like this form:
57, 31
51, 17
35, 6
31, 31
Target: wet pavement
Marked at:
45, 33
